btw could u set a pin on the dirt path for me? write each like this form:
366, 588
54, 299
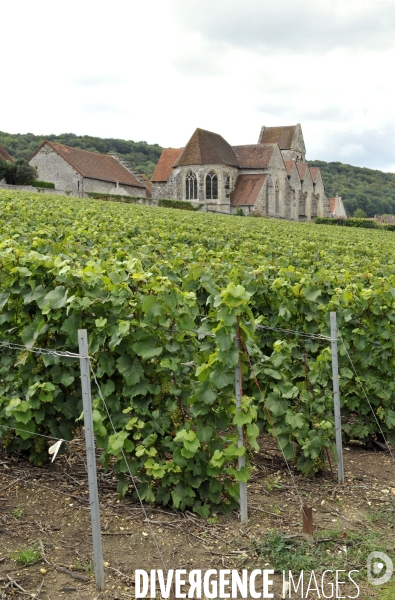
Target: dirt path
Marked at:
56, 523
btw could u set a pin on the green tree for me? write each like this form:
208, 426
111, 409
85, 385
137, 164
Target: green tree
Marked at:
17, 173
360, 213
140, 156
3, 169
24, 172
371, 190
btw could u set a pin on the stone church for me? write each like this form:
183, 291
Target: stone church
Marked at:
270, 178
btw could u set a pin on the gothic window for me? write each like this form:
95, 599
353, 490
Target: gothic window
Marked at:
277, 199
211, 186
191, 186
227, 185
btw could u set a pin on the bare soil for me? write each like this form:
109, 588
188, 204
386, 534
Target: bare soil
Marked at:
47, 508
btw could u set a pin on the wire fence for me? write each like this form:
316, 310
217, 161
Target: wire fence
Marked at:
77, 356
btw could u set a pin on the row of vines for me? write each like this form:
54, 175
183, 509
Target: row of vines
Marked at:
161, 295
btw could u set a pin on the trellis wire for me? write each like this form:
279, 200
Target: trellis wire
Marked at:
67, 354
366, 396
127, 465
33, 350
48, 437
272, 424
296, 332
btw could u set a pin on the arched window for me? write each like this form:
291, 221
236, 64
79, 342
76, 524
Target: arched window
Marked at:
191, 186
277, 199
211, 186
227, 184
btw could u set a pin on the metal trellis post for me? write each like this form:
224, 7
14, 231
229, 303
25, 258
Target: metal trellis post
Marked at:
240, 441
336, 399
91, 458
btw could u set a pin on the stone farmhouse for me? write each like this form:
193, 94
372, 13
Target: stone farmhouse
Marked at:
4, 155
270, 177
77, 171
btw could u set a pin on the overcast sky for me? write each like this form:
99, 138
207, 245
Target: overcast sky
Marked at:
155, 70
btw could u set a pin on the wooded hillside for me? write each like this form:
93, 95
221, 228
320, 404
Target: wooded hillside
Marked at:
372, 191
141, 157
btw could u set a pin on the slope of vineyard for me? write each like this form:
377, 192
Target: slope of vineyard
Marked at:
162, 293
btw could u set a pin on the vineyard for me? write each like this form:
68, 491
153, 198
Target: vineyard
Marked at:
162, 294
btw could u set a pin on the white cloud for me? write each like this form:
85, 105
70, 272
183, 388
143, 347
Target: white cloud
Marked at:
352, 150
289, 26
156, 70
96, 80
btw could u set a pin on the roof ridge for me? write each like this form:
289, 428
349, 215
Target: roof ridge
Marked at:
93, 165
5, 155
209, 141
206, 147
81, 149
259, 145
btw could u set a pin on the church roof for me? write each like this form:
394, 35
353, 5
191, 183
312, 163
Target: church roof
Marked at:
93, 165
314, 172
247, 189
282, 136
205, 148
302, 170
163, 169
254, 156
289, 166
4, 154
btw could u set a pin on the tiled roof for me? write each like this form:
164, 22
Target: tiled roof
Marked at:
4, 154
288, 166
302, 168
314, 172
282, 136
94, 165
254, 155
206, 147
163, 169
247, 189
332, 204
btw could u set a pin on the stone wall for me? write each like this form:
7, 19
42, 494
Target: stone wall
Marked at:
18, 188
225, 209
51, 167
159, 190
281, 196
294, 184
108, 187
302, 206
280, 186
297, 151
175, 188
322, 200
308, 190
29, 188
